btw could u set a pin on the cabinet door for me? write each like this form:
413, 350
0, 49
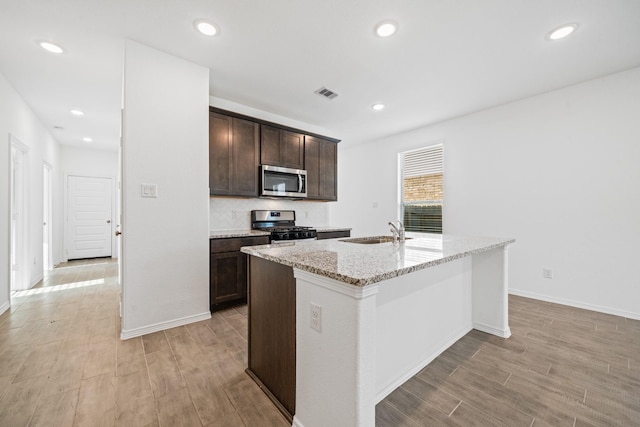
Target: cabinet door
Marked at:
269, 145
233, 156
245, 157
320, 161
292, 149
220, 154
228, 278
328, 170
279, 147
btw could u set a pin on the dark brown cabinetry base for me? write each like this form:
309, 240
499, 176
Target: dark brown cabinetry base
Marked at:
272, 332
333, 234
228, 271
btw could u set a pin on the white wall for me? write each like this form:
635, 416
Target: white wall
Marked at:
165, 240
227, 213
92, 163
18, 120
558, 171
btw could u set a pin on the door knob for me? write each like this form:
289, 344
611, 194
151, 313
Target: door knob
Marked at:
108, 221
118, 232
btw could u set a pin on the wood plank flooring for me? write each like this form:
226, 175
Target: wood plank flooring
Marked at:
62, 364
562, 366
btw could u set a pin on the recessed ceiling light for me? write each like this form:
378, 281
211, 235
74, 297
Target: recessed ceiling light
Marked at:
378, 107
386, 28
205, 27
87, 139
562, 32
77, 112
51, 47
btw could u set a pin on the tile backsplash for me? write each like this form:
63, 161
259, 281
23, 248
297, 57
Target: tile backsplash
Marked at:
235, 214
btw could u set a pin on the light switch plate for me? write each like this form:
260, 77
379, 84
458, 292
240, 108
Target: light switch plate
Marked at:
150, 190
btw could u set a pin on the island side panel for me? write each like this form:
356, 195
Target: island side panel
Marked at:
420, 315
335, 385
491, 292
272, 331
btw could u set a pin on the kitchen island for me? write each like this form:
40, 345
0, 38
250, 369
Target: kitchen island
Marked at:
351, 320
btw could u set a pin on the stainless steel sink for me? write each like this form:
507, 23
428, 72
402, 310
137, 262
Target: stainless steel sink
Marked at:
371, 240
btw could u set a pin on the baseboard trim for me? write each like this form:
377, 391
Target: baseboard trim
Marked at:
41, 277
413, 371
502, 333
576, 304
137, 332
4, 307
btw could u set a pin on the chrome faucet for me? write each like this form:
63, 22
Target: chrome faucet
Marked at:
397, 230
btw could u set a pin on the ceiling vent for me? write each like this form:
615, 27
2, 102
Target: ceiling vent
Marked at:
329, 94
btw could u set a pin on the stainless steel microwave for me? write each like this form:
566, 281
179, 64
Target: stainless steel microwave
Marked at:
276, 181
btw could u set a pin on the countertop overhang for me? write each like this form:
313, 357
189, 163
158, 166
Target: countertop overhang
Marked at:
362, 265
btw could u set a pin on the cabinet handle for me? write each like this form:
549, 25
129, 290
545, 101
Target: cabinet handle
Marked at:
118, 232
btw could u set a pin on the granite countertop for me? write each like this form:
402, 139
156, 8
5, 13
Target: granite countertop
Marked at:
328, 229
225, 234
365, 264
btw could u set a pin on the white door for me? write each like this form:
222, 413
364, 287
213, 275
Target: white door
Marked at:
89, 217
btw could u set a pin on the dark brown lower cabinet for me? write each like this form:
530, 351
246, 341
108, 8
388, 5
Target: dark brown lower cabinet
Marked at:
228, 271
333, 234
272, 332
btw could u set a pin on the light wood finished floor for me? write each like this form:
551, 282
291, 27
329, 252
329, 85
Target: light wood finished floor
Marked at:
62, 362
562, 366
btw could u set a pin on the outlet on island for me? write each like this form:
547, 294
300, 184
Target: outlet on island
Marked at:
316, 317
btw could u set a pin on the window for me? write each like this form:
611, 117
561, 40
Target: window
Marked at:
421, 189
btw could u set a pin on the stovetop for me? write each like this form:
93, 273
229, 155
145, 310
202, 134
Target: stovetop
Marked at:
281, 224
284, 228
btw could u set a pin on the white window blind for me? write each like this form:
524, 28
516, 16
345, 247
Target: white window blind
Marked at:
425, 161
421, 180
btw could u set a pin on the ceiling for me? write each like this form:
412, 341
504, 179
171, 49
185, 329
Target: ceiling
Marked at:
449, 58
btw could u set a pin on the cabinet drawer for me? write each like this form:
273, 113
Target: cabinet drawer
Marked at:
235, 243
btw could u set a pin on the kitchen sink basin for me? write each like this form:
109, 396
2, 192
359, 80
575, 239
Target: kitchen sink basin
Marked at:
371, 240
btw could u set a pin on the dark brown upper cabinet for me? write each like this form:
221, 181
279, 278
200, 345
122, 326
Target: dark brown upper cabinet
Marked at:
279, 147
234, 156
320, 161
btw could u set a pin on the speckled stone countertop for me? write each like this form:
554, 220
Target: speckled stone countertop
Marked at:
225, 234
328, 229
365, 264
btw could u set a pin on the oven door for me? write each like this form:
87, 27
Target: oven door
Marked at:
277, 181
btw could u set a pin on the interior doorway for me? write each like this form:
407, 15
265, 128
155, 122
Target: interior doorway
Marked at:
47, 217
19, 208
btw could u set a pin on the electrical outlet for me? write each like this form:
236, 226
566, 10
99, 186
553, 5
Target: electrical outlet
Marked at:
547, 273
374, 205
234, 214
316, 317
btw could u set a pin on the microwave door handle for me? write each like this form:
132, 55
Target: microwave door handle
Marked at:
299, 183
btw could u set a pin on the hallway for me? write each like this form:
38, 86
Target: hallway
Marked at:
62, 362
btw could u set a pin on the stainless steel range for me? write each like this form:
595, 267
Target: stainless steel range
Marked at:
282, 225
